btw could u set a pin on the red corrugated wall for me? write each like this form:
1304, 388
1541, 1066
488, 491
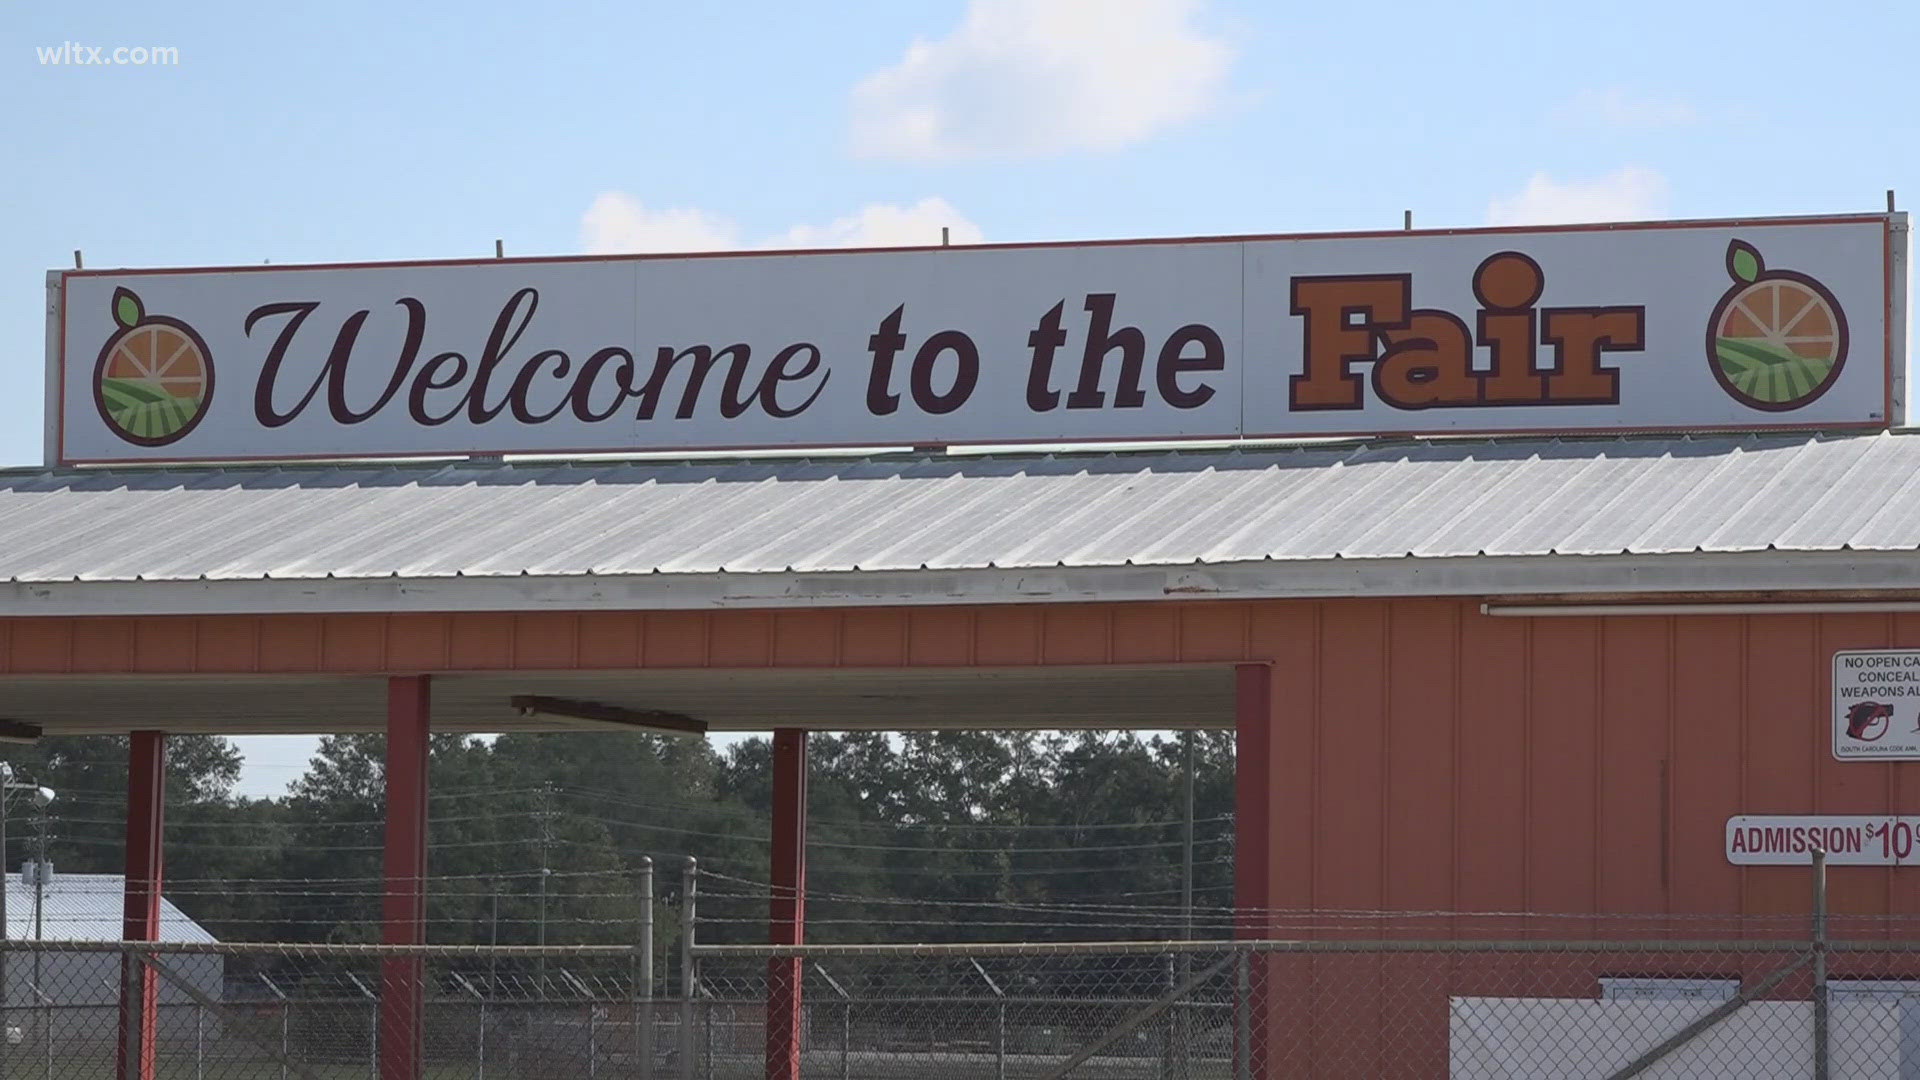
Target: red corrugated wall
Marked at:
1423, 755
1439, 759
1430, 758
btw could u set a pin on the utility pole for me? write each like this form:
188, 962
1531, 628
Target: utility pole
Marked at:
493, 940
546, 871
643, 972
6, 931
39, 887
1181, 1058
1186, 855
41, 798
40, 871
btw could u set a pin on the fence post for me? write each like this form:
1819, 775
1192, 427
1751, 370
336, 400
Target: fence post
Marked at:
1243, 1015
999, 1022
373, 1026
846, 1015
1000, 1041
689, 884
1168, 1035
1819, 963
643, 977
274, 988
199, 1041
480, 1040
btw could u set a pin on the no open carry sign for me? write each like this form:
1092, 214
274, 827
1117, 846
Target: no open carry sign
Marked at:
1876, 705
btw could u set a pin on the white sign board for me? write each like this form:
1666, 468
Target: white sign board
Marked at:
1876, 705
1849, 840
1688, 325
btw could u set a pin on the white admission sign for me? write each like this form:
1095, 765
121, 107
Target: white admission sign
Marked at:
1876, 705
1848, 840
1787, 323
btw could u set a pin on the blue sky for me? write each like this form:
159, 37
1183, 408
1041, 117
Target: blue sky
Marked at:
386, 131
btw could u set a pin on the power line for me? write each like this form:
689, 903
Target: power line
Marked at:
617, 799
613, 824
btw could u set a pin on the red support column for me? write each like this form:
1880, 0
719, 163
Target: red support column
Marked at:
1253, 843
787, 915
402, 980
140, 911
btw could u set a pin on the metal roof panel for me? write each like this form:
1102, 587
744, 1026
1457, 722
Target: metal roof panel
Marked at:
88, 907
1386, 499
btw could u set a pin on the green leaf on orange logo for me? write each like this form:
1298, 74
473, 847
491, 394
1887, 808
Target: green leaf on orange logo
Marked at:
126, 308
1743, 262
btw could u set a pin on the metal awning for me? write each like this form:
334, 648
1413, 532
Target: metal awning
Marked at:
1466, 516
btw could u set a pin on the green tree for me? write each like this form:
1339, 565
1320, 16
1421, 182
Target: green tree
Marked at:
210, 843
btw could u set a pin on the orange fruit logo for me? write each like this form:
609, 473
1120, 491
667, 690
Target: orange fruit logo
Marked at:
1777, 339
154, 377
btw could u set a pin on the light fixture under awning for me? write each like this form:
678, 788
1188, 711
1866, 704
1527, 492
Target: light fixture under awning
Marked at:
649, 720
18, 731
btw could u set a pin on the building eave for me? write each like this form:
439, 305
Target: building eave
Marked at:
1851, 572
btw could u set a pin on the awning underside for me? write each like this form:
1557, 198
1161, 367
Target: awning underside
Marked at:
1142, 697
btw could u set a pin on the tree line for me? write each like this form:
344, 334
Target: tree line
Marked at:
935, 836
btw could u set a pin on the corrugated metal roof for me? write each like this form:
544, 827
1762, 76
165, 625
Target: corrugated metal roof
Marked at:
87, 907
1425, 500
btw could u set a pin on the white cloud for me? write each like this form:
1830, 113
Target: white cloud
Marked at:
1034, 77
1622, 109
1629, 194
617, 222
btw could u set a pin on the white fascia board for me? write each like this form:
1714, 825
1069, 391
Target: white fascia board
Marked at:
1768, 571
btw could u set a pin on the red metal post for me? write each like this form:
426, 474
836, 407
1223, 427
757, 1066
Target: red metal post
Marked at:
1253, 842
787, 915
140, 911
402, 980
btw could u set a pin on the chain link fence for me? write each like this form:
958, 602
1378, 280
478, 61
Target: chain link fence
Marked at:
1375, 1007
1470, 1010
1323, 994
313, 1012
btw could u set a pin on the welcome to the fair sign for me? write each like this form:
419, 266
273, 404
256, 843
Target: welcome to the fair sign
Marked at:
1683, 325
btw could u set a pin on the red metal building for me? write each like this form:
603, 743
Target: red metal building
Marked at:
1530, 676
